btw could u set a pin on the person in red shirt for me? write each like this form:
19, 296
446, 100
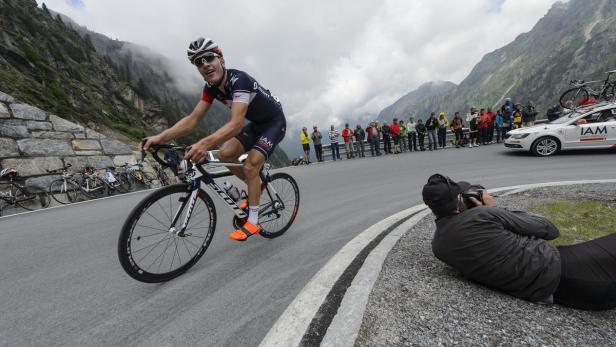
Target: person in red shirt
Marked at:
482, 125
347, 135
395, 135
491, 125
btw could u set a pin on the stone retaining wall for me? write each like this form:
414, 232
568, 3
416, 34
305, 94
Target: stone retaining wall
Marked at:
33, 141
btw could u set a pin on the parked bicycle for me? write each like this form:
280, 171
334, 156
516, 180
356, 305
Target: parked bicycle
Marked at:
582, 92
135, 175
16, 195
92, 185
171, 228
161, 175
64, 190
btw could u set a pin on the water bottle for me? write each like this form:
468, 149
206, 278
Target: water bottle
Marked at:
231, 190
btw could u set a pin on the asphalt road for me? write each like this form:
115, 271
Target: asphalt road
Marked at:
62, 285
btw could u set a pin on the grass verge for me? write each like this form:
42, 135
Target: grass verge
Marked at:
579, 220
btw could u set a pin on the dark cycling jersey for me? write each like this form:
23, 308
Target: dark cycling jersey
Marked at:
268, 124
240, 87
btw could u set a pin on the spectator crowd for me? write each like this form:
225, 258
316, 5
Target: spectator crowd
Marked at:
481, 126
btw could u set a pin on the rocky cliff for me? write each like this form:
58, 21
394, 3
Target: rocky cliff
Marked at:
574, 40
53, 64
33, 141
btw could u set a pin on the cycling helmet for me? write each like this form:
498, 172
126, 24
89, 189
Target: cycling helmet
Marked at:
201, 47
8, 172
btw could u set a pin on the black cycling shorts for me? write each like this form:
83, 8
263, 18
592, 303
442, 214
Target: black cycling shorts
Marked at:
263, 136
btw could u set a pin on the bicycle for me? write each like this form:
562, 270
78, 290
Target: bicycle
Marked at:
581, 93
64, 190
113, 182
14, 194
161, 228
161, 175
135, 175
91, 185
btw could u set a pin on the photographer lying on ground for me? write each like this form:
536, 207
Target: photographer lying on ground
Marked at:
508, 250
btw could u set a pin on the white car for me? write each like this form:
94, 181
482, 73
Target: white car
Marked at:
589, 127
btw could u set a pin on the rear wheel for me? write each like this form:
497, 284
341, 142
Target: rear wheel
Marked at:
278, 206
30, 201
64, 191
573, 98
545, 146
149, 251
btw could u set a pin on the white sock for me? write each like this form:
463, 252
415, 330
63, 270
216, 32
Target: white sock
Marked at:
253, 215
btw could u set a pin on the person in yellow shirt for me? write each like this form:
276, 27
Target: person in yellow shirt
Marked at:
443, 124
305, 138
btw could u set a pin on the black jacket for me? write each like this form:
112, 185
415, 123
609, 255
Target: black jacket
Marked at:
431, 123
529, 114
501, 249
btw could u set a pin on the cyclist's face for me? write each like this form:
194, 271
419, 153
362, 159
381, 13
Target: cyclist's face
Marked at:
213, 71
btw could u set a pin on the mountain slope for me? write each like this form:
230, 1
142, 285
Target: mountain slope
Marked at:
573, 40
88, 78
426, 90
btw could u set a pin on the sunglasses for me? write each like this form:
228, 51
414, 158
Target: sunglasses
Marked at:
205, 59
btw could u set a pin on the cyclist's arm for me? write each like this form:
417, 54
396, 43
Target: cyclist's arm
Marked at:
229, 130
187, 124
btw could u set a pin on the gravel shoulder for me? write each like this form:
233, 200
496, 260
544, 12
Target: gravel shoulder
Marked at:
419, 300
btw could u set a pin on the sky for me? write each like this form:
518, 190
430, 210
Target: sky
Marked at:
326, 60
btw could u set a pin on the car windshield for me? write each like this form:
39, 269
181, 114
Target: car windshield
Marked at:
566, 117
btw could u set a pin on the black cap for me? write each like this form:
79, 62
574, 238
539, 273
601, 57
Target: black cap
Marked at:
441, 194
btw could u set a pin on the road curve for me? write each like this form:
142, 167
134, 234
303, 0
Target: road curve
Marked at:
61, 282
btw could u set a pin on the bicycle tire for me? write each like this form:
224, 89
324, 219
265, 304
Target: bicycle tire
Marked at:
64, 194
577, 96
131, 239
164, 178
274, 220
612, 95
30, 201
124, 182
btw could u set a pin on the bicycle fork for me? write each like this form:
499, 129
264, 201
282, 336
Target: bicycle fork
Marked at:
191, 201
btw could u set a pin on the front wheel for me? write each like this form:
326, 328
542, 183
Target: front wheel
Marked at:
279, 205
545, 146
150, 250
64, 191
573, 98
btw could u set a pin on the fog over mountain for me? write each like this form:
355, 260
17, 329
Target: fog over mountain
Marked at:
326, 61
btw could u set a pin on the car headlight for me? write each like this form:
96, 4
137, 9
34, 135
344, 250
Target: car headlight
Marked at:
519, 136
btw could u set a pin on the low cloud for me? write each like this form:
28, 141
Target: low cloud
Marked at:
326, 61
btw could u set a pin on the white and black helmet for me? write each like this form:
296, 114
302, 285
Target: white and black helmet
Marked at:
201, 47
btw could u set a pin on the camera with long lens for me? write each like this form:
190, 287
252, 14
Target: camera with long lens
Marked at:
472, 192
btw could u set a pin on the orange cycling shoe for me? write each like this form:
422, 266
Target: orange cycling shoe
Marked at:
245, 232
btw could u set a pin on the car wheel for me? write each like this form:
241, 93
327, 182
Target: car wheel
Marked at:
545, 146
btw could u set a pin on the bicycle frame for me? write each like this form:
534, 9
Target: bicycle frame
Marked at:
199, 179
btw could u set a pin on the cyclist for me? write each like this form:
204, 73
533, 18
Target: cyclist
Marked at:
248, 100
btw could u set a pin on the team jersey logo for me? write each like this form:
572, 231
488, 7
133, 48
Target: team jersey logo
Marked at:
265, 143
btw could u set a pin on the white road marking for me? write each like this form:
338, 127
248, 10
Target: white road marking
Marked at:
295, 320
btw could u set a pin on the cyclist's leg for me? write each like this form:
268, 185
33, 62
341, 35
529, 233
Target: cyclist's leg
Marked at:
251, 168
265, 137
230, 151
